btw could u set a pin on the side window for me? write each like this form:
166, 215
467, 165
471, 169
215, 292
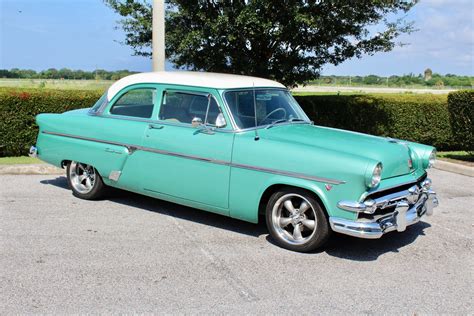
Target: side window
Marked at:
136, 103
186, 107
99, 104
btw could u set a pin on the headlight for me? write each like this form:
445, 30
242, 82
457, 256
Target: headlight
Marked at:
432, 158
376, 176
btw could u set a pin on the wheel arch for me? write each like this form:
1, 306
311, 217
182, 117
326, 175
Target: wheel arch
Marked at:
311, 188
65, 162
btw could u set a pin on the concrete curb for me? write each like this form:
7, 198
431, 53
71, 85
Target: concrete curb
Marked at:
40, 168
454, 167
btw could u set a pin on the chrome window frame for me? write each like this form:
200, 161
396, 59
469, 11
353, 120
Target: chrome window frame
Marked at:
233, 127
132, 88
105, 110
155, 118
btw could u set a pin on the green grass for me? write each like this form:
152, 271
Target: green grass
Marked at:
327, 93
456, 155
56, 84
23, 160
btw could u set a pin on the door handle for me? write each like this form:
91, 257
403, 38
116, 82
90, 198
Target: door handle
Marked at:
154, 126
113, 151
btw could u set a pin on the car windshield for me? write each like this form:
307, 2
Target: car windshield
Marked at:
271, 105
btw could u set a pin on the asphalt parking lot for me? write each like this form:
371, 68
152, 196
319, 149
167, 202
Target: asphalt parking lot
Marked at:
134, 254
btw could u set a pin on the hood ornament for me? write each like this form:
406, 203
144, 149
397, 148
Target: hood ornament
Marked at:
397, 141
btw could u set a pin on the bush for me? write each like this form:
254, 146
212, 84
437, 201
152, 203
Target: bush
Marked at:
18, 108
461, 111
420, 118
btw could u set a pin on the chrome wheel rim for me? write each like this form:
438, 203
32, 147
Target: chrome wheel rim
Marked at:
294, 219
82, 177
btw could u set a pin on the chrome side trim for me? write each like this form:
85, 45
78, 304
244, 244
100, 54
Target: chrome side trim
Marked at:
132, 148
179, 155
289, 174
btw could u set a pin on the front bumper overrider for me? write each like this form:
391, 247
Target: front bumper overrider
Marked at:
33, 153
408, 207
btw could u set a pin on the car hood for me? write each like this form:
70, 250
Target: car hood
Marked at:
393, 155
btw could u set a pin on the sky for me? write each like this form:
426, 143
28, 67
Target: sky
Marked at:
81, 34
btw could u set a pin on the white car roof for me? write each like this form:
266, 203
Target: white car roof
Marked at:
192, 78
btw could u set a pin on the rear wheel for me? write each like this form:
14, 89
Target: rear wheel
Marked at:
296, 220
84, 181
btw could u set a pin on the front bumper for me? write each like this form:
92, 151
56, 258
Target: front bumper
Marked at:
407, 211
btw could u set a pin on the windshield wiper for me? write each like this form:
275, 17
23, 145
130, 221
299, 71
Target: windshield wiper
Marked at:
293, 119
296, 119
276, 122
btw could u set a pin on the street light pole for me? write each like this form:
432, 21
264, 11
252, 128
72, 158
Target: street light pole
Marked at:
158, 35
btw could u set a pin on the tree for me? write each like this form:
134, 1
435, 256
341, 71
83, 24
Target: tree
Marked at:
371, 79
288, 41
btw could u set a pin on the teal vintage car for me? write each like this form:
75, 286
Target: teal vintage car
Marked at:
241, 147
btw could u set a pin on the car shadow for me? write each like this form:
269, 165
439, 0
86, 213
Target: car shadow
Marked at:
60, 182
341, 246
171, 209
357, 249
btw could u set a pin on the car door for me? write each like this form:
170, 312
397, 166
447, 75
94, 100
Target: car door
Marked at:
185, 159
124, 121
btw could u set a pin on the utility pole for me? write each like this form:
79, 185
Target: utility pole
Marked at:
158, 35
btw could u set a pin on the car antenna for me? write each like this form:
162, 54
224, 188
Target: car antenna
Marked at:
255, 112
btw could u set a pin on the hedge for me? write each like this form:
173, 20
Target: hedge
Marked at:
18, 108
421, 118
461, 110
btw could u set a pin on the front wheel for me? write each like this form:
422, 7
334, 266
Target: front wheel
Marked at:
84, 181
296, 220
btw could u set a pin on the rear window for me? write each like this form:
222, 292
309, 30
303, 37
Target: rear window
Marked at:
135, 103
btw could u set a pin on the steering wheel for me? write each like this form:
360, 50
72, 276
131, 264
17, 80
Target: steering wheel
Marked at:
272, 112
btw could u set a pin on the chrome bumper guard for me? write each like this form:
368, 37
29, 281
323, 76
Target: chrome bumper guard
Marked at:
410, 206
33, 152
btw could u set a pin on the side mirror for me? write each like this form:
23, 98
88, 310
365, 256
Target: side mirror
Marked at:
220, 121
